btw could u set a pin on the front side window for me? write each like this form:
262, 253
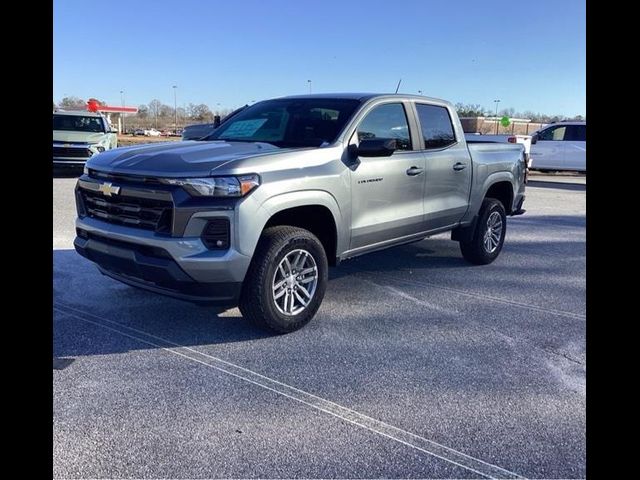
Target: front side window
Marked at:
553, 133
386, 121
78, 123
436, 126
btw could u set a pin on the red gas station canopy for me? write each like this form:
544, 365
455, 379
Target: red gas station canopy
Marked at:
94, 105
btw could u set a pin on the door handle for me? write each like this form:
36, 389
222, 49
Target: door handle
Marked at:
414, 171
459, 166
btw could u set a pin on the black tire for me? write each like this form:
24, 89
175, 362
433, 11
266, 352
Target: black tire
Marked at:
257, 302
477, 251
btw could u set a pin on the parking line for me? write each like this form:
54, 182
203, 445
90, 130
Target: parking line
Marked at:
413, 299
397, 434
479, 296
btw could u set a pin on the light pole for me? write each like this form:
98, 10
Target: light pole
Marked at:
497, 102
309, 82
122, 103
419, 92
175, 110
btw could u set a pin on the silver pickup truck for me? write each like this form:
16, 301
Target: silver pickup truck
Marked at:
254, 214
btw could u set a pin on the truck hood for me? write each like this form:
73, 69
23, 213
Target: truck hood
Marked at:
86, 137
177, 159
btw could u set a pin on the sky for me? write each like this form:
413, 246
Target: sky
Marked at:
228, 53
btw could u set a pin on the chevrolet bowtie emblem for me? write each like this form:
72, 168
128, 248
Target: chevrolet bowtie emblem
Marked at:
108, 189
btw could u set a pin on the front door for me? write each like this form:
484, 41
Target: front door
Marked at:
386, 192
448, 168
549, 150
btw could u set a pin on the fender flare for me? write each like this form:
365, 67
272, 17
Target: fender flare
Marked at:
250, 234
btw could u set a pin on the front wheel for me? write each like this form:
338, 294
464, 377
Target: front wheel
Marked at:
286, 280
488, 236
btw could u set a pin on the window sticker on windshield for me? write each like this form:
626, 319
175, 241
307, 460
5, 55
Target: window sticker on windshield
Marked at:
243, 128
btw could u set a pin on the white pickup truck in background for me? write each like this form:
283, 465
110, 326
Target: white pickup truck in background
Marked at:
560, 146
524, 140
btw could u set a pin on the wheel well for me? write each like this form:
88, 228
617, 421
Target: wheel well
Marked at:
315, 218
502, 191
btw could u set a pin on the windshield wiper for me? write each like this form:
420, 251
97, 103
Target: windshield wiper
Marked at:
235, 140
241, 140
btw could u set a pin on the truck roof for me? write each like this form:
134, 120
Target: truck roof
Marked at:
366, 96
83, 113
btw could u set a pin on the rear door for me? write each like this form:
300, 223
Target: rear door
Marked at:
549, 151
386, 192
448, 166
576, 147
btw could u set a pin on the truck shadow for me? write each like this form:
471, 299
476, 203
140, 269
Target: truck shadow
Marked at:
86, 301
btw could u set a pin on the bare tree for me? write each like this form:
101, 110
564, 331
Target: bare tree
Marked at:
73, 103
154, 108
508, 112
143, 112
202, 113
470, 110
166, 111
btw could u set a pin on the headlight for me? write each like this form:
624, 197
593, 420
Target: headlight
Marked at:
85, 170
216, 186
97, 147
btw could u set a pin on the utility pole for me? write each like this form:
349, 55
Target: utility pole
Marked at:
122, 114
175, 110
497, 102
309, 82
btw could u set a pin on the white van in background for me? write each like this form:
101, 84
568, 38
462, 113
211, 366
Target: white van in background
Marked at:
560, 146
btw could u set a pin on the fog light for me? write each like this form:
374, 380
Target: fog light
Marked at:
216, 234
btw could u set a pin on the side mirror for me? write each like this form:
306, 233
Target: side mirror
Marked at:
534, 139
376, 147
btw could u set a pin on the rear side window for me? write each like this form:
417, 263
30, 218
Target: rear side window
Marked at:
437, 129
576, 133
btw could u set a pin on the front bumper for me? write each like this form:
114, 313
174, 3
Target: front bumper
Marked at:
182, 268
69, 161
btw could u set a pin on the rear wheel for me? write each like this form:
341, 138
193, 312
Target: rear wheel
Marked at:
488, 236
286, 280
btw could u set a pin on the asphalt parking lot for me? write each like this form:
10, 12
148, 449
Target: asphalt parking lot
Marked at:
417, 365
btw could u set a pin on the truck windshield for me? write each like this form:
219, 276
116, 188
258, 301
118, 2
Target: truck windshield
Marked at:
289, 122
78, 123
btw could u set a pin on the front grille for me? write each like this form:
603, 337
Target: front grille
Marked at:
71, 152
119, 177
137, 212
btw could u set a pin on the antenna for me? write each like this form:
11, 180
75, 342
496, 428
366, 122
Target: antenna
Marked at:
399, 82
